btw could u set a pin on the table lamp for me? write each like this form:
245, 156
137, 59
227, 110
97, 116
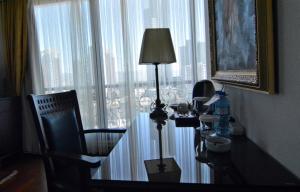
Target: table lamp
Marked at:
157, 48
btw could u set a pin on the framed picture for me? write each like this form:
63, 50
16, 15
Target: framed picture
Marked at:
241, 38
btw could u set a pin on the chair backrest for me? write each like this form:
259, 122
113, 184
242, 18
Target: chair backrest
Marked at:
204, 88
59, 127
61, 109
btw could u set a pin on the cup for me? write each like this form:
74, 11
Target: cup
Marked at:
183, 108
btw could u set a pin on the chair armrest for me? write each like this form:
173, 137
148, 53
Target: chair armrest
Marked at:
115, 130
82, 160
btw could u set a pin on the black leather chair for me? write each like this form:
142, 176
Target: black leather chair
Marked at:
204, 88
62, 141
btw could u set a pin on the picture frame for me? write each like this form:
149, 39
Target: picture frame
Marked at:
241, 43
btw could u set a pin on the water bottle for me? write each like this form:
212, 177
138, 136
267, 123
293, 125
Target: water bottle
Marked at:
222, 111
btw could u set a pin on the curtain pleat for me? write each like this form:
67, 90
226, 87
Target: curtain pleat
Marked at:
14, 30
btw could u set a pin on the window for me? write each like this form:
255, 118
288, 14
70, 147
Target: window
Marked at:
94, 47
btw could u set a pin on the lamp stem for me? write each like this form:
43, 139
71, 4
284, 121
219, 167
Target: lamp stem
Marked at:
159, 127
159, 114
158, 102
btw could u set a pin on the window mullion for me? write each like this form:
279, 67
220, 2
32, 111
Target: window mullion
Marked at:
193, 40
99, 63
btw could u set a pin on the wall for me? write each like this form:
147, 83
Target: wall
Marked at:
11, 128
273, 121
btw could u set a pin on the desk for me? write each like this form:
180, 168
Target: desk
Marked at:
245, 165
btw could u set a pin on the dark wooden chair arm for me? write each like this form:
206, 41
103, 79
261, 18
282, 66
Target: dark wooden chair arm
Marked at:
115, 130
81, 160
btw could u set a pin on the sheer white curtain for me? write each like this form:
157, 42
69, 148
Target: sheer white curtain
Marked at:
63, 57
65, 54
93, 46
122, 26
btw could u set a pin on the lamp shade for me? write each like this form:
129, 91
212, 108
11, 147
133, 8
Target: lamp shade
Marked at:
157, 47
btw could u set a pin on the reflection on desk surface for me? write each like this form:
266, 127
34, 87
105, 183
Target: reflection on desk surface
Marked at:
244, 164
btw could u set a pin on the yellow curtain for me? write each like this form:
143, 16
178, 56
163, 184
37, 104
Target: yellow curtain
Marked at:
14, 31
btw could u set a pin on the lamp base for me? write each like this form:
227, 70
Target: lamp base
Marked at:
171, 172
